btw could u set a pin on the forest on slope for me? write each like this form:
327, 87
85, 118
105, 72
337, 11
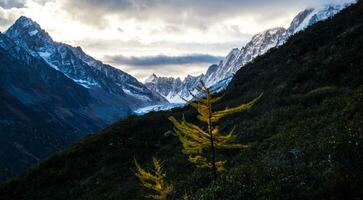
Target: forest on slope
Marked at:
305, 132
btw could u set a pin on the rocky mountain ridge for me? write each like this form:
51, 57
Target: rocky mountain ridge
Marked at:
219, 75
109, 85
53, 94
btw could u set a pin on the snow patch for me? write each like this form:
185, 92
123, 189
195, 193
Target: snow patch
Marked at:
46, 57
156, 108
138, 96
135, 87
31, 33
172, 98
85, 83
152, 78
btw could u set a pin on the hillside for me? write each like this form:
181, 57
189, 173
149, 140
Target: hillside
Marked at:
53, 94
116, 90
35, 121
305, 133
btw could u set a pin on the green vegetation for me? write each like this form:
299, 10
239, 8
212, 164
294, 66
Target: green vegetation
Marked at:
305, 133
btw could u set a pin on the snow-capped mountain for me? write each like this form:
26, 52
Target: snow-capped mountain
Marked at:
173, 89
259, 44
36, 85
311, 16
52, 94
271, 38
109, 85
42, 110
220, 75
165, 86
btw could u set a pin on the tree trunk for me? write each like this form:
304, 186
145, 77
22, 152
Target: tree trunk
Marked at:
214, 168
213, 156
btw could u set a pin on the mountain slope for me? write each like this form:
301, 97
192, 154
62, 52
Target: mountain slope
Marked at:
220, 75
168, 87
54, 94
36, 121
109, 85
173, 89
271, 38
305, 133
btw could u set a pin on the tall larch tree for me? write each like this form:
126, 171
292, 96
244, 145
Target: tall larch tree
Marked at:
199, 142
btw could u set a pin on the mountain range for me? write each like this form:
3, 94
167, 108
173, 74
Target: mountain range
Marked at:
54, 94
219, 75
304, 135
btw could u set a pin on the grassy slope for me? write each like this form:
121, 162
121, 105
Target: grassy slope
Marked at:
306, 132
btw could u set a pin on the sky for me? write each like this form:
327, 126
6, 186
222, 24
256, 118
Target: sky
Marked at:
165, 37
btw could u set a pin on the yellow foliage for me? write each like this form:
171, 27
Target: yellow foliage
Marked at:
200, 161
155, 180
220, 165
185, 196
196, 140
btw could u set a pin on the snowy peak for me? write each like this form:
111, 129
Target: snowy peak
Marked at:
28, 29
152, 78
311, 16
211, 69
264, 41
165, 86
298, 20
107, 84
258, 38
219, 75
173, 89
25, 22
231, 55
259, 44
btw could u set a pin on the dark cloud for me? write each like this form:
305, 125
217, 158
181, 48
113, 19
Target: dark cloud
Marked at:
160, 60
6, 4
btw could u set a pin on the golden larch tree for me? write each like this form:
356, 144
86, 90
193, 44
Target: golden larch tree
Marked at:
196, 140
154, 180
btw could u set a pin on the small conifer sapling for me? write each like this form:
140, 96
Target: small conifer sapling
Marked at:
154, 180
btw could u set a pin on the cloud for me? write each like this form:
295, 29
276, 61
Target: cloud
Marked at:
42, 2
135, 29
163, 65
162, 60
7, 4
8, 16
4, 21
10, 10
199, 14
